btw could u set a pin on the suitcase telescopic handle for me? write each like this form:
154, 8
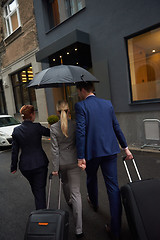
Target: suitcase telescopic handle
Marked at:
127, 170
60, 190
49, 190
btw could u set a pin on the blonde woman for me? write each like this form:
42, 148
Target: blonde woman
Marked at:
64, 159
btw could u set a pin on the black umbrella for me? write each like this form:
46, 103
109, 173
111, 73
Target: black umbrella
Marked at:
59, 75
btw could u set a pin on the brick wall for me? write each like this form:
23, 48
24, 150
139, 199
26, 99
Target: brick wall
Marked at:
24, 39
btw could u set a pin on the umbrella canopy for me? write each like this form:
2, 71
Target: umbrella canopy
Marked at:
59, 75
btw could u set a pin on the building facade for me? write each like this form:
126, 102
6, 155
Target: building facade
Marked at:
18, 46
118, 41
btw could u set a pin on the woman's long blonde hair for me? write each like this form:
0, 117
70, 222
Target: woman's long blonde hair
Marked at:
62, 108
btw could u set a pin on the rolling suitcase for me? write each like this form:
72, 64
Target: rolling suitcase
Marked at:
141, 201
48, 224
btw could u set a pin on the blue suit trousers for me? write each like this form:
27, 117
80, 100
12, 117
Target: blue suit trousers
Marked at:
108, 166
37, 179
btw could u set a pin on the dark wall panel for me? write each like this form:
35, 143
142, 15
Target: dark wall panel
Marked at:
107, 22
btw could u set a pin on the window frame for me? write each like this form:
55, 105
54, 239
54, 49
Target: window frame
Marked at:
7, 17
145, 101
49, 18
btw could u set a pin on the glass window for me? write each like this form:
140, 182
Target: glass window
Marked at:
8, 121
72, 98
11, 17
22, 94
144, 61
60, 10
68, 93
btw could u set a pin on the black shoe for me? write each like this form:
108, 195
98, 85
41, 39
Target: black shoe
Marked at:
81, 235
110, 234
95, 208
69, 203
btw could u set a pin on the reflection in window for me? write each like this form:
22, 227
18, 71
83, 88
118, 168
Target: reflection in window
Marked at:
144, 60
22, 94
60, 10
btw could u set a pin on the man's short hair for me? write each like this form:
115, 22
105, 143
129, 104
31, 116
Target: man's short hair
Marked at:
88, 86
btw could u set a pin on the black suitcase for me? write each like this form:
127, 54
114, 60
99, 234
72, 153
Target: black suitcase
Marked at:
48, 224
141, 201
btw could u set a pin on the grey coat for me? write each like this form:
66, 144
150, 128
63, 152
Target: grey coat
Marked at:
63, 148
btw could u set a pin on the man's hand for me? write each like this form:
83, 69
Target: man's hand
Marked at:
82, 163
55, 173
129, 155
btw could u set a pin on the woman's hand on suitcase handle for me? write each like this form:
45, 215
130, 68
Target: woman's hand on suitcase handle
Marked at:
129, 155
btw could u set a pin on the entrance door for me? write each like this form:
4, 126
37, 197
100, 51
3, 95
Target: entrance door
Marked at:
3, 109
72, 98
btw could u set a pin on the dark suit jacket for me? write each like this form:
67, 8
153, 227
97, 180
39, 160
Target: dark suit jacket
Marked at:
27, 137
97, 129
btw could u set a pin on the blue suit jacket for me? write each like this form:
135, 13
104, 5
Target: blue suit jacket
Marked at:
97, 129
27, 137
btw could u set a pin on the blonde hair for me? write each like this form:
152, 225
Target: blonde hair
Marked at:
62, 108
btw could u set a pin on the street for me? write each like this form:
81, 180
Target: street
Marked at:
16, 200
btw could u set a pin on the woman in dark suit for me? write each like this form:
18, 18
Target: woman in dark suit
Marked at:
33, 162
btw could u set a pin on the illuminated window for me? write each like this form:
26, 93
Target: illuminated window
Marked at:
60, 10
11, 16
22, 94
144, 61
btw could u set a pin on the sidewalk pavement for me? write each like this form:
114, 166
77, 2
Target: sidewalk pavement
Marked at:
145, 149
131, 147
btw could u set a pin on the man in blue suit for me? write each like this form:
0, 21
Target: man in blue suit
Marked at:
96, 138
